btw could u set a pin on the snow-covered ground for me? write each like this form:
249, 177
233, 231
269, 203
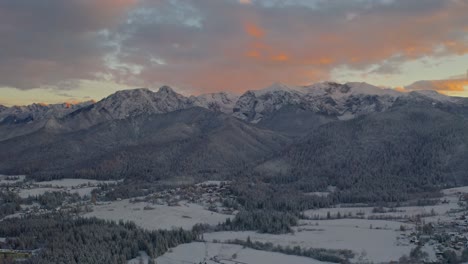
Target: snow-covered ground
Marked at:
83, 187
143, 258
454, 191
208, 183
68, 183
7, 179
198, 252
379, 244
400, 212
160, 217
24, 193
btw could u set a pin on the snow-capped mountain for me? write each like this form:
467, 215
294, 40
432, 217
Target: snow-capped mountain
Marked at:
34, 112
328, 99
350, 99
253, 105
21, 120
342, 100
337, 90
124, 104
127, 103
222, 101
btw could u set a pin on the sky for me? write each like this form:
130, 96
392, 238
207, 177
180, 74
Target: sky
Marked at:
76, 50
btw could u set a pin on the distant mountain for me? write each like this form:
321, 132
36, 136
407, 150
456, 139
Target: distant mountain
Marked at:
327, 100
252, 106
222, 101
189, 143
344, 101
33, 112
126, 103
21, 120
121, 105
371, 144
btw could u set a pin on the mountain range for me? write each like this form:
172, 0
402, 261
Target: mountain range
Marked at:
331, 100
353, 136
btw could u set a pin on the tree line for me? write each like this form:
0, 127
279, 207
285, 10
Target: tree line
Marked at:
64, 239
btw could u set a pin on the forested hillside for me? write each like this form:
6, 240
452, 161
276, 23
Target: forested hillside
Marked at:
62, 239
193, 143
379, 157
386, 149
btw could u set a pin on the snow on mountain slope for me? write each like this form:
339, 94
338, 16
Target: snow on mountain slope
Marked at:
253, 105
222, 101
21, 120
127, 103
336, 90
124, 104
278, 87
29, 113
342, 100
350, 99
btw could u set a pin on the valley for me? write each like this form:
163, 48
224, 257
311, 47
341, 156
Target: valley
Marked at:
327, 173
371, 234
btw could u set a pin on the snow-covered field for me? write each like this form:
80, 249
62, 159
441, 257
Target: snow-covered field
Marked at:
379, 244
454, 191
198, 252
161, 217
25, 193
4, 179
401, 212
83, 187
69, 183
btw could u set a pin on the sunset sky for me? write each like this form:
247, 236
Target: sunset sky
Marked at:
76, 50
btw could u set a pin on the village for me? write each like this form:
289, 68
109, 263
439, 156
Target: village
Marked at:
438, 229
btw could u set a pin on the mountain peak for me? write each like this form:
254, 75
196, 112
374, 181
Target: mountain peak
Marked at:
221, 102
132, 102
276, 87
335, 89
166, 89
127, 93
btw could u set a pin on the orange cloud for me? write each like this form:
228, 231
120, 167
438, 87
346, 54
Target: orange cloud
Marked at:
280, 57
252, 54
326, 61
401, 89
451, 85
444, 86
279, 43
254, 30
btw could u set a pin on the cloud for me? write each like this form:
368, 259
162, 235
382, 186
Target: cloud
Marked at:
254, 30
242, 47
211, 45
50, 41
443, 86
